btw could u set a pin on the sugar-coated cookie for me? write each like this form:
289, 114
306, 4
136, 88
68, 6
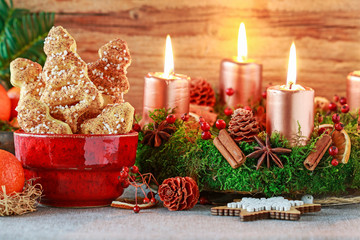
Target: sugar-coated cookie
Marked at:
34, 117
114, 119
69, 93
108, 73
26, 75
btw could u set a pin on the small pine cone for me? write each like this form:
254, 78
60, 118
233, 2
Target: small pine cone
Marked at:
201, 92
243, 126
179, 193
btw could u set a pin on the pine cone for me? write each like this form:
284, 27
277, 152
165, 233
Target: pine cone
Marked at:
201, 92
243, 126
179, 193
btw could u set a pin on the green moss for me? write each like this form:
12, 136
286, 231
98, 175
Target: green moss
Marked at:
186, 154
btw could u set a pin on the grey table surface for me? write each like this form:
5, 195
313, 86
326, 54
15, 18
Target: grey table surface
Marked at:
341, 222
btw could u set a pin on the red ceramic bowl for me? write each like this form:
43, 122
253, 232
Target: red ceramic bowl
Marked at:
76, 170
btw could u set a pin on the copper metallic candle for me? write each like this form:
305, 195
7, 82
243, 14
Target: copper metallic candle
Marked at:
166, 89
170, 92
286, 110
290, 108
353, 90
245, 78
241, 75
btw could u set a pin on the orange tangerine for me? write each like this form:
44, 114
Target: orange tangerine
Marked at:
11, 173
5, 105
14, 95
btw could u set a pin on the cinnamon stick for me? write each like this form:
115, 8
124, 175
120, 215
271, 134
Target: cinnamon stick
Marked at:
314, 157
204, 111
229, 149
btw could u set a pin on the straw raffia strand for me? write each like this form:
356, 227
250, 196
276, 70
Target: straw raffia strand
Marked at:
331, 201
20, 203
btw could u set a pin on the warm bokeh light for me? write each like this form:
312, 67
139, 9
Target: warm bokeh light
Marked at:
169, 58
242, 44
291, 74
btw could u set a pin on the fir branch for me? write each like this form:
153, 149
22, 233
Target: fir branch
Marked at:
21, 35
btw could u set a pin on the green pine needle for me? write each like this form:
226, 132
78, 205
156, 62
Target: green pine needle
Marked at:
22, 34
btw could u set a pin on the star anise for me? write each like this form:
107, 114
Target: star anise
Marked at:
160, 134
266, 151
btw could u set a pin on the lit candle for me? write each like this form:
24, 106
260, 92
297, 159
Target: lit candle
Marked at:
290, 106
240, 76
353, 90
166, 89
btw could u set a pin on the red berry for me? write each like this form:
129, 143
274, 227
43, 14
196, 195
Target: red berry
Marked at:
146, 200
229, 91
203, 201
220, 124
332, 106
322, 130
248, 108
153, 200
228, 111
263, 94
336, 98
137, 127
320, 119
171, 118
206, 135
136, 209
205, 126
343, 100
126, 169
134, 169
185, 117
334, 162
201, 119
339, 126
124, 174
125, 184
333, 150
335, 118
345, 108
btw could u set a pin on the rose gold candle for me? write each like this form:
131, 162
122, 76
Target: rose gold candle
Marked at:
171, 92
290, 106
353, 90
244, 78
241, 75
166, 89
286, 110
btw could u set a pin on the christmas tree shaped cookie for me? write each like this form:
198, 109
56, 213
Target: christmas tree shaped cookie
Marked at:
69, 93
108, 73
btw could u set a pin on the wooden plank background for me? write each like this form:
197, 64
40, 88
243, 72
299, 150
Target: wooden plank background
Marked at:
326, 34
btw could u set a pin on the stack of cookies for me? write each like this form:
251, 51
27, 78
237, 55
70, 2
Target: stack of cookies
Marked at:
69, 96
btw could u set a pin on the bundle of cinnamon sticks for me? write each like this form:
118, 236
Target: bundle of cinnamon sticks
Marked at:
229, 149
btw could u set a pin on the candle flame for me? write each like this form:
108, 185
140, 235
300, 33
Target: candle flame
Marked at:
291, 74
169, 58
242, 44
